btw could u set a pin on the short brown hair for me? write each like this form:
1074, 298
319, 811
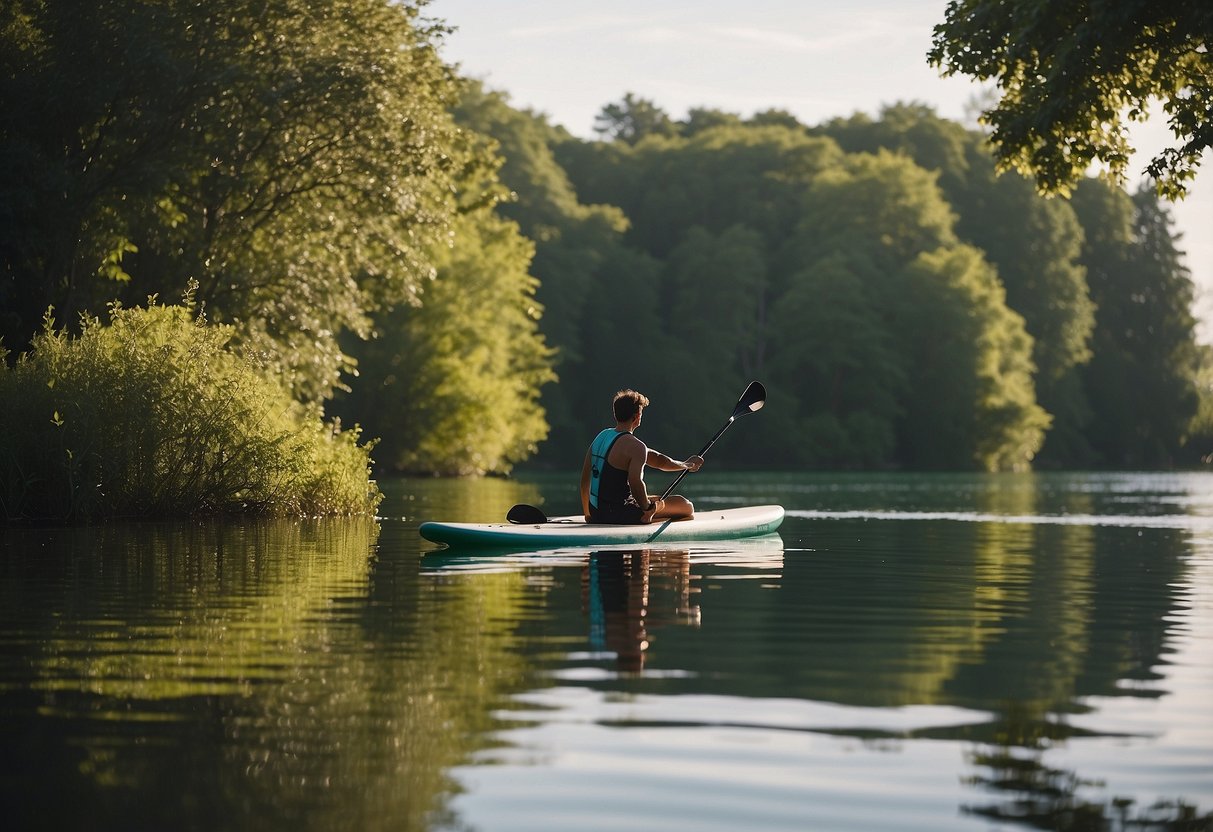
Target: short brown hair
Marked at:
627, 404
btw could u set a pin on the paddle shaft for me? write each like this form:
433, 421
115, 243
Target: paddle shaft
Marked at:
686, 471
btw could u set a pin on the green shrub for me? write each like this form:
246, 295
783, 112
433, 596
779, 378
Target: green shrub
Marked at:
152, 415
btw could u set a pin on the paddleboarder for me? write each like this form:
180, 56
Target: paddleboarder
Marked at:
612, 476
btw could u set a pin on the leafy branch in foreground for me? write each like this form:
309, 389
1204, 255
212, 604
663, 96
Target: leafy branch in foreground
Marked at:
1070, 75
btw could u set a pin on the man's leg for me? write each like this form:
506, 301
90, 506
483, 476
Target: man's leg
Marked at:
676, 507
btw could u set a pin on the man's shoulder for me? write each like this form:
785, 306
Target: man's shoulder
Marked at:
631, 444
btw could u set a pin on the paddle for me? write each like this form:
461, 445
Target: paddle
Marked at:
754, 397
522, 514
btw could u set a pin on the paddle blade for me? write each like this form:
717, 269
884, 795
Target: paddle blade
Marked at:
754, 397
524, 515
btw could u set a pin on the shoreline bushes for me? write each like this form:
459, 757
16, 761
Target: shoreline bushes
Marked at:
154, 415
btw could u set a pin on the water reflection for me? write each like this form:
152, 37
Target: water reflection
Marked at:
469, 500
851, 672
241, 676
993, 639
628, 594
1041, 797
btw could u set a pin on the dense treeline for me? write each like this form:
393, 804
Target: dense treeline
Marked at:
383, 241
907, 305
295, 169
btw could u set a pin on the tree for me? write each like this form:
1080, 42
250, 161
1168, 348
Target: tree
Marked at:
632, 119
702, 118
1141, 379
881, 204
623, 344
294, 158
834, 356
573, 241
715, 290
1034, 242
969, 397
972, 400
913, 129
718, 178
1199, 446
775, 118
718, 298
1071, 74
451, 386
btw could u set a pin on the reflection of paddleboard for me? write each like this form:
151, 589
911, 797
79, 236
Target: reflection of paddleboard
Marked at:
725, 524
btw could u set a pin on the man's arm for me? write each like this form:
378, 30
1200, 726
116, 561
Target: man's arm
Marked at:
658, 460
585, 487
637, 453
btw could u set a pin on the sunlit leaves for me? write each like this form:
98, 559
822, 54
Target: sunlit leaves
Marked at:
294, 158
971, 368
153, 414
1071, 75
452, 386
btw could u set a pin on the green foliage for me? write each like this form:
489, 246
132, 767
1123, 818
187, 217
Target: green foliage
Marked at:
1199, 445
752, 176
717, 296
453, 384
879, 203
1070, 74
951, 363
973, 400
906, 306
1142, 379
576, 245
702, 118
152, 415
294, 158
624, 343
914, 130
633, 119
1034, 242
833, 350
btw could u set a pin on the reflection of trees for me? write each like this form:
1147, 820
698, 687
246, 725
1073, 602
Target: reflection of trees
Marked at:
1094, 616
220, 608
466, 500
629, 593
1038, 578
1047, 798
249, 676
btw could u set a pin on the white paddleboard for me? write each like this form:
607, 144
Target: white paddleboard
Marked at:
560, 532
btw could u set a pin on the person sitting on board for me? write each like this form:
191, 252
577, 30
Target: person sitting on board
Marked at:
612, 477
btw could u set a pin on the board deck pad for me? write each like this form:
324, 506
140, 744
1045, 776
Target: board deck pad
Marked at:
722, 524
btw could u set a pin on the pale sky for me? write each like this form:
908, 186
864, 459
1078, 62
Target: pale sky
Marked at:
815, 59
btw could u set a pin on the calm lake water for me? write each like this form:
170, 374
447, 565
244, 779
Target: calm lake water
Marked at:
910, 652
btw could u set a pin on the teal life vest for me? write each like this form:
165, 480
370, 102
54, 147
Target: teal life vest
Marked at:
599, 448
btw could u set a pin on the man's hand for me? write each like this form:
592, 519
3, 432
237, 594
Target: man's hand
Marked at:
693, 463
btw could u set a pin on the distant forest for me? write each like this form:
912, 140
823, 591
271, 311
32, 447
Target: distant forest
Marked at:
906, 306
338, 230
